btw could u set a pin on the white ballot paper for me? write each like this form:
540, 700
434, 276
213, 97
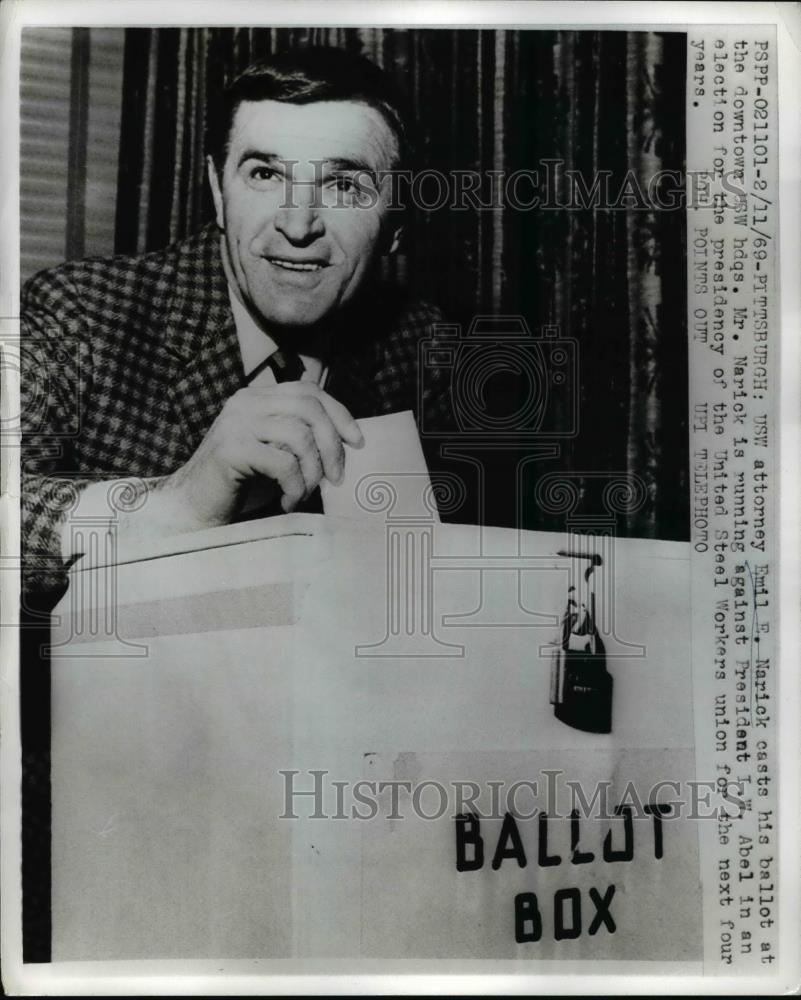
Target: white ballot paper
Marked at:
373, 481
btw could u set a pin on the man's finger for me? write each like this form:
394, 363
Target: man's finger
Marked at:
309, 410
293, 434
282, 466
340, 416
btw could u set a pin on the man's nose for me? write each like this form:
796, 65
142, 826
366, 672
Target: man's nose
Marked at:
298, 218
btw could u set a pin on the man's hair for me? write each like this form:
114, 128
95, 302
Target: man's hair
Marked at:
306, 76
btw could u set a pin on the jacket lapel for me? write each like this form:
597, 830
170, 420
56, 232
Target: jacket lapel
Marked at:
352, 381
201, 337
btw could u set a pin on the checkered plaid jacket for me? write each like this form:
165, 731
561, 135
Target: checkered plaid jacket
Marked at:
126, 361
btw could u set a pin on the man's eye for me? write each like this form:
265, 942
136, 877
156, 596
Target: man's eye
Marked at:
342, 182
263, 174
353, 189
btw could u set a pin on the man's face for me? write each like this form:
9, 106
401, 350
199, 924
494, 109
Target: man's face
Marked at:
302, 221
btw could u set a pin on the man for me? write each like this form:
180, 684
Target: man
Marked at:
233, 364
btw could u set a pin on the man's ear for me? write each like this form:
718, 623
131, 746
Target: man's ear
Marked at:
216, 193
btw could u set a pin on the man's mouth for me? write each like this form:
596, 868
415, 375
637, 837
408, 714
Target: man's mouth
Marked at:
297, 265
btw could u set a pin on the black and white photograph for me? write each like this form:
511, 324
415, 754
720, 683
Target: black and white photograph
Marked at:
394, 411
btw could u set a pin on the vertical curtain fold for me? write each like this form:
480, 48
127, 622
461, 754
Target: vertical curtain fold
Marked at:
79, 130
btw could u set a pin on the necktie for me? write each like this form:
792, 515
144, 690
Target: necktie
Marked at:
286, 367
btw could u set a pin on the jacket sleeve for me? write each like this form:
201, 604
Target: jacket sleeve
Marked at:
55, 378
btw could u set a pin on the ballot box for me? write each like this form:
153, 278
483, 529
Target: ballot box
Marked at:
312, 737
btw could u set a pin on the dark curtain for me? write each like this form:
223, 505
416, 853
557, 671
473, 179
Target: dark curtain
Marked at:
611, 280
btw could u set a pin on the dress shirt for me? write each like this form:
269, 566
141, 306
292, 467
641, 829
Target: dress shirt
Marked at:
256, 346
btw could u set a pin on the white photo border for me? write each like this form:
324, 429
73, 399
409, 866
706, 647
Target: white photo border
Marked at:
322, 977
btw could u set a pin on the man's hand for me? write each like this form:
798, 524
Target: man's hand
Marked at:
291, 433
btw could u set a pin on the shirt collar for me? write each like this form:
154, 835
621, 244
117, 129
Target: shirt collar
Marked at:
256, 346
